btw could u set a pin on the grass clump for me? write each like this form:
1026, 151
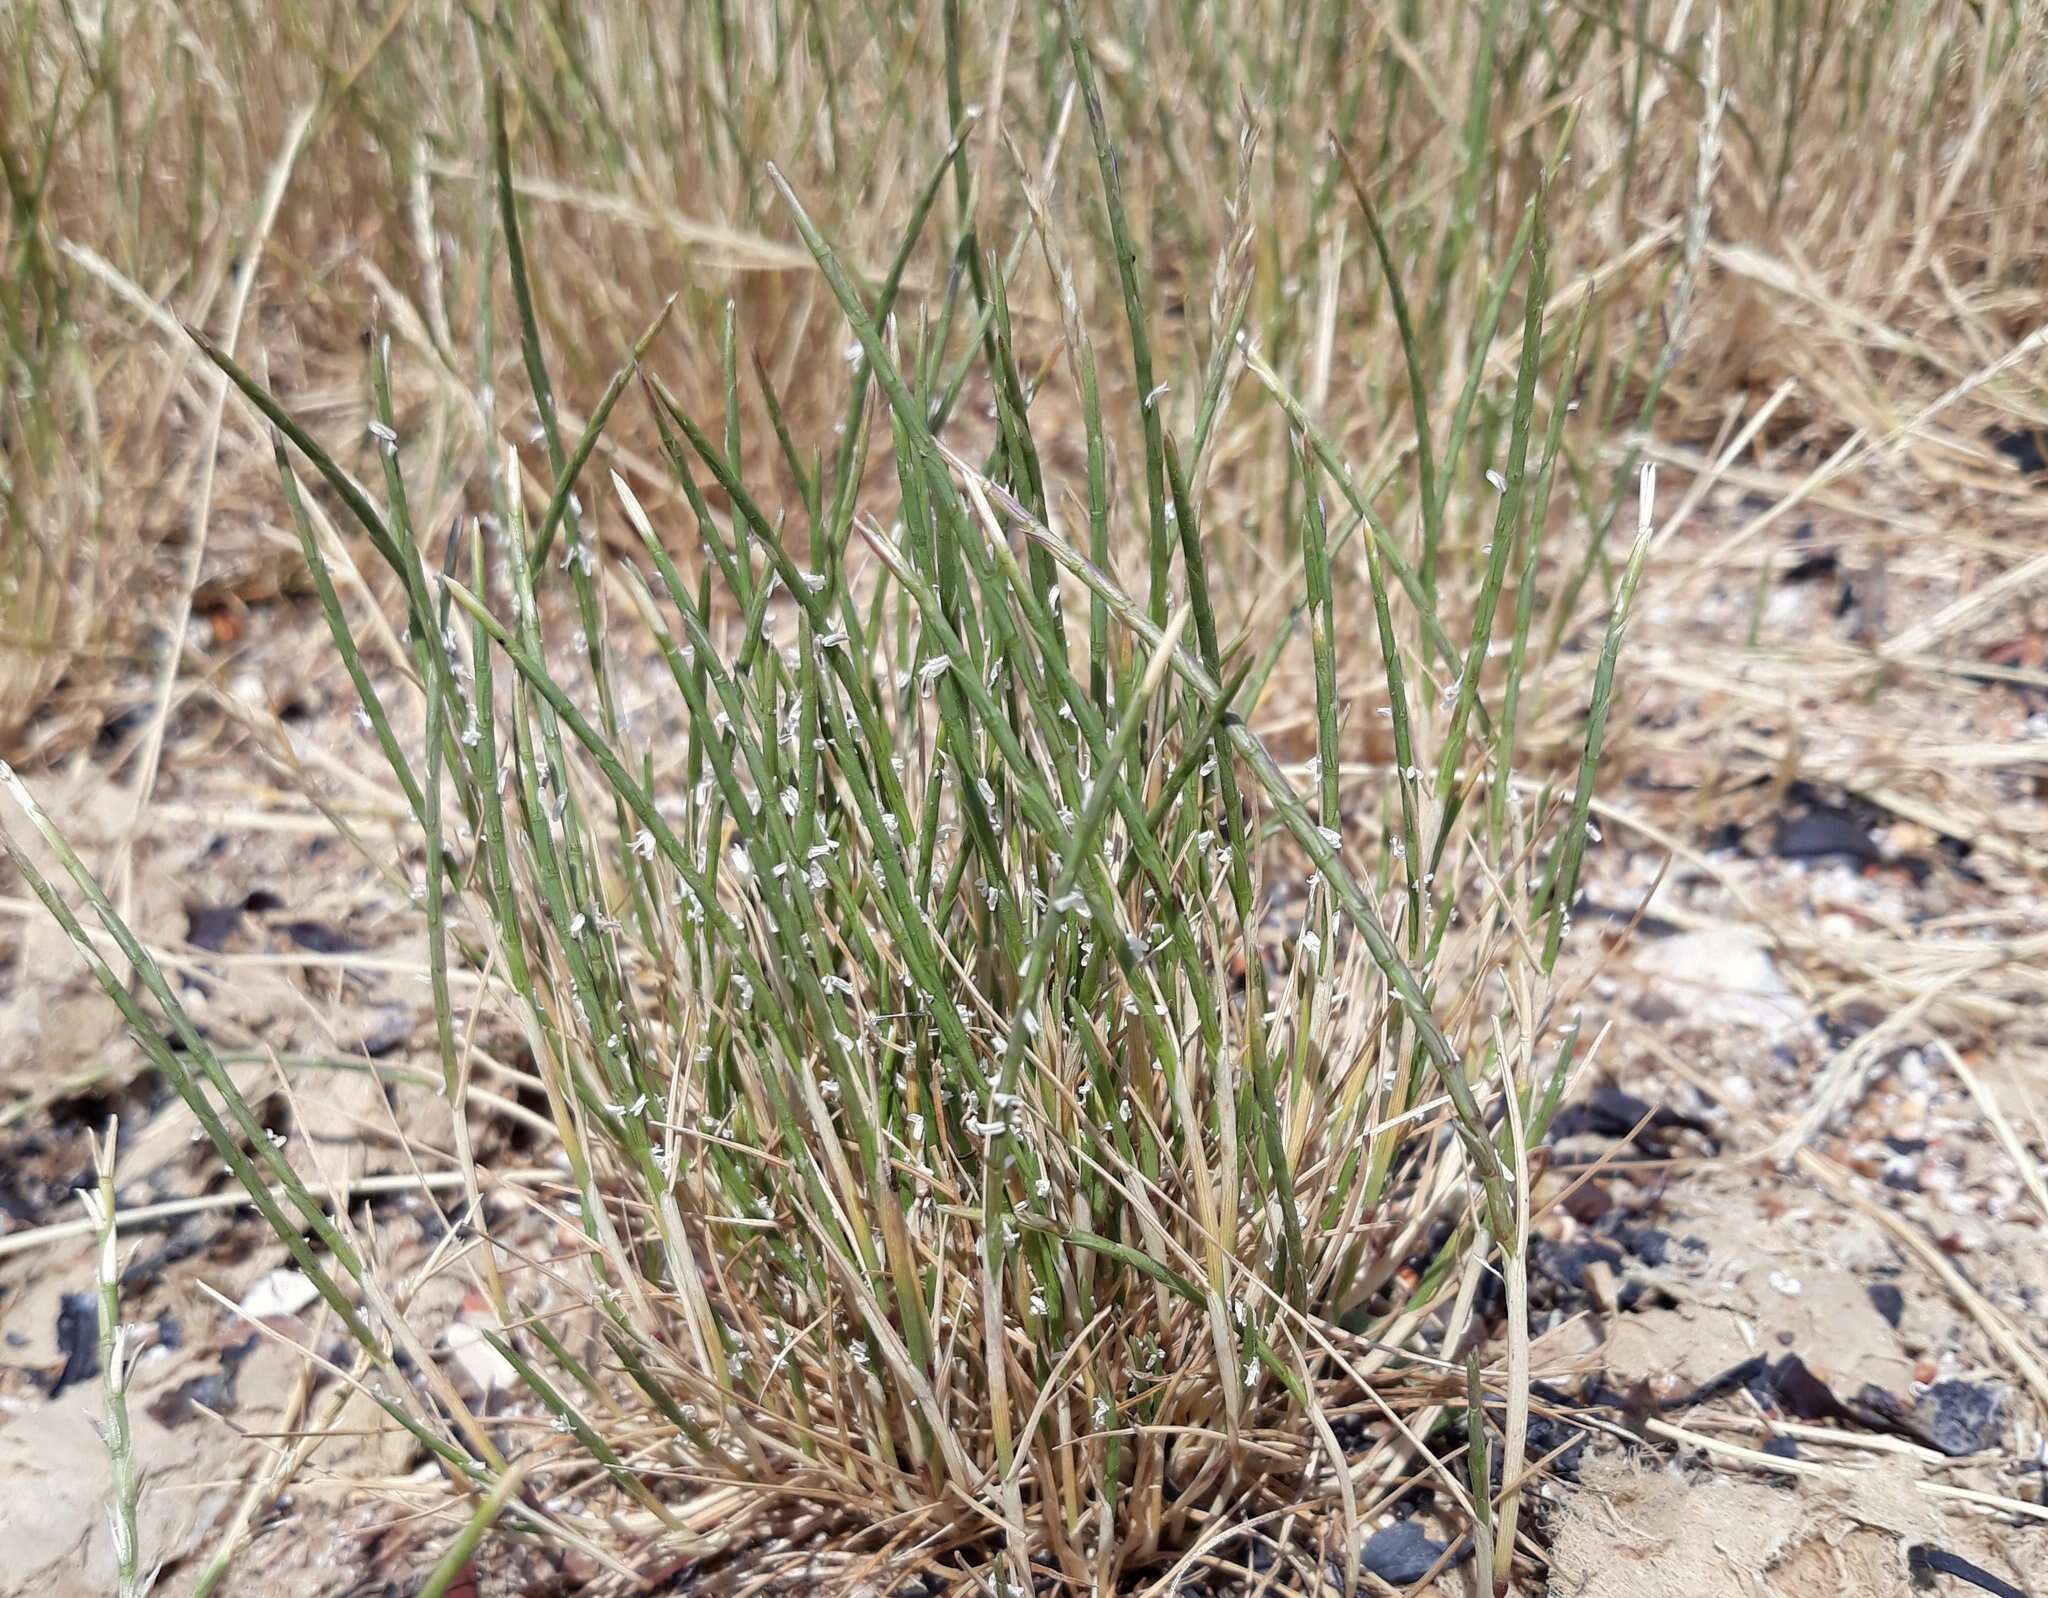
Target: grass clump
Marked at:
1013, 788
999, 1097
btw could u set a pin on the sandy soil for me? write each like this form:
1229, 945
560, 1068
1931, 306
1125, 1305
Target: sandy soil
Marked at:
1770, 999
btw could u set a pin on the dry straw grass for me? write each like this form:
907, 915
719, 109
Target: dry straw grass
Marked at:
1087, 909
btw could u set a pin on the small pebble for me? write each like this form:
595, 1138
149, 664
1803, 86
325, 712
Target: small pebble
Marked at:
1401, 1554
1963, 1417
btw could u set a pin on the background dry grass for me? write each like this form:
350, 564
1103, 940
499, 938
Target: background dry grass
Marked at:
1873, 241
1873, 244
1833, 351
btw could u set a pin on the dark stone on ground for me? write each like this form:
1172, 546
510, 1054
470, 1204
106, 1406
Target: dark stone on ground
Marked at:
1888, 1301
1638, 1294
1401, 1554
78, 1335
1635, 916
2023, 447
393, 1031
209, 926
1549, 1437
318, 937
1822, 835
1749, 1373
1804, 1395
1650, 1244
1609, 1112
1560, 1268
1962, 1417
1924, 1562
1813, 568
213, 1392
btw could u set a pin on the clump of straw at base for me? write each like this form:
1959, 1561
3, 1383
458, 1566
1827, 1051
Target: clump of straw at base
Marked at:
970, 1154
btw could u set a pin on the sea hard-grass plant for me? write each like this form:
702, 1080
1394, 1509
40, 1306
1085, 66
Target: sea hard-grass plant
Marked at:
116, 1368
1012, 1104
